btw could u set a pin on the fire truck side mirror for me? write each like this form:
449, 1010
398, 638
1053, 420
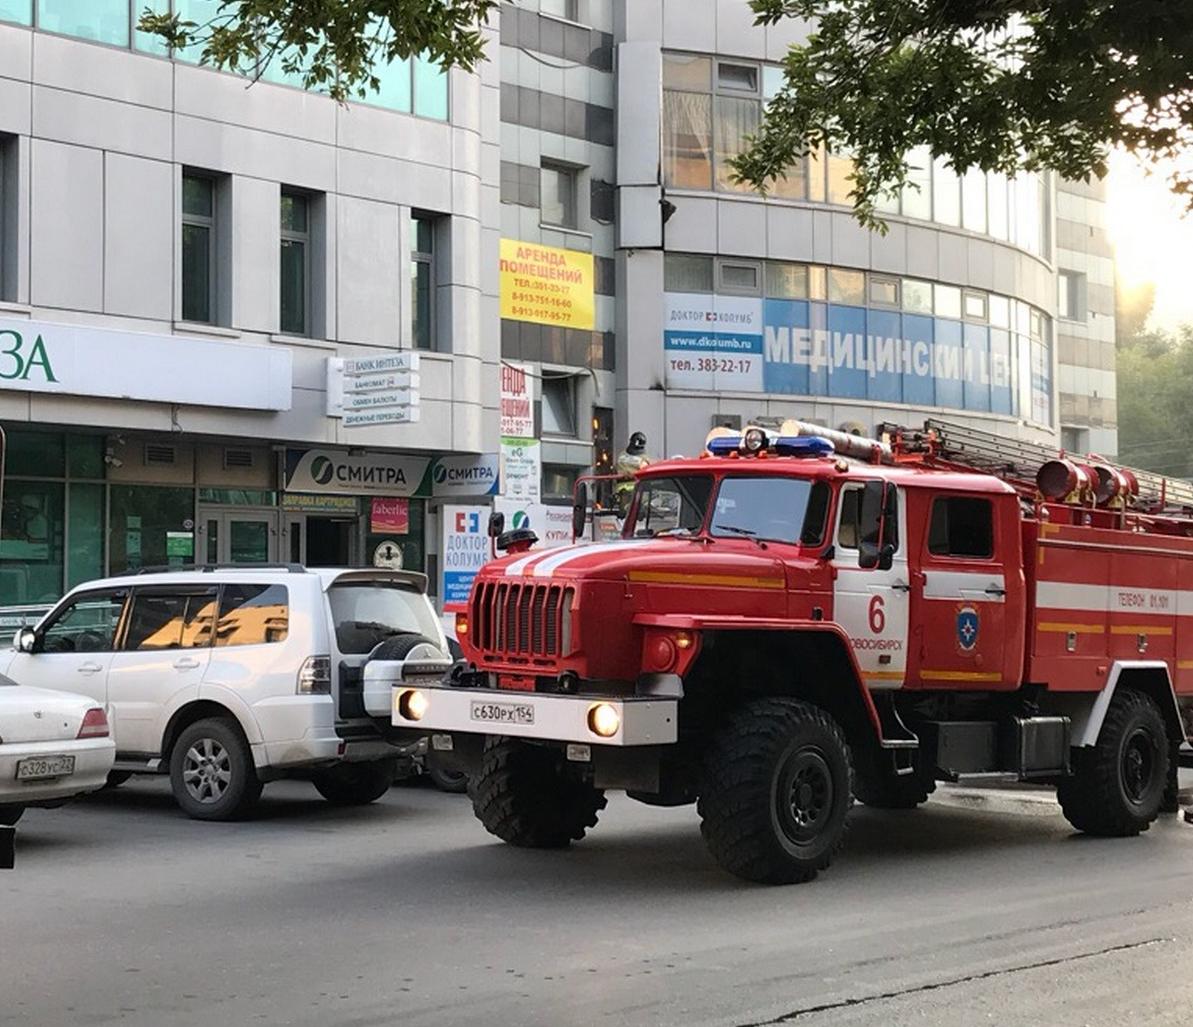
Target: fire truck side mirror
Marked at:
876, 507
496, 524
579, 510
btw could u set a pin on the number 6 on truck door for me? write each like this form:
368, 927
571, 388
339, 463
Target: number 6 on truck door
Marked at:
870, 602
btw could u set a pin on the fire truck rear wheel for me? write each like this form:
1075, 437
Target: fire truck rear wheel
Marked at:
530, 796
776, 792
1117, 785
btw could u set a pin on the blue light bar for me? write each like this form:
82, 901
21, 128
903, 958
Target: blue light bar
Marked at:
803, 445
723, 445
787, 445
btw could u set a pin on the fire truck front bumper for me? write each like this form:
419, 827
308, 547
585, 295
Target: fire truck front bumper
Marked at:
590, 720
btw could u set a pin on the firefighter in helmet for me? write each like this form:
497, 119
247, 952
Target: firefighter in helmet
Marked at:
632, 459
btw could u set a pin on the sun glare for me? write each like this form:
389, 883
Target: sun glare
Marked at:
1153, 238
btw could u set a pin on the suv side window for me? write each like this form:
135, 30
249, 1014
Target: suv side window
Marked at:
170, 620
253, 614
961, 526
87, 625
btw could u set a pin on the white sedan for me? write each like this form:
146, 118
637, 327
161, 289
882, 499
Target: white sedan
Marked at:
53, 746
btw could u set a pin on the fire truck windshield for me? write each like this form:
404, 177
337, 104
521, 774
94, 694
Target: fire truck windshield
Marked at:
772, 509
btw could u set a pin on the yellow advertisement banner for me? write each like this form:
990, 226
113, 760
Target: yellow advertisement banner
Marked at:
546, 285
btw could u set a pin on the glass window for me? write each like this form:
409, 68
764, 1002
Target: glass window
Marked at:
559, 481
687, 140
393, 87
917, 296
253, 615
817, 283
846, 286
816, 174
200, 12
146, 42
100, 21
884, 291
559, 406
1000, 311
741, 78
557, 195
961, 526
735, 120
663, 505
87, 625
996, 194
35, 454
973, 200
773, 509
85, 534
170, 620
948, 301
687, 273
975, 306
295, 277
917, 194
787, 281
20, 11
430, 90
198, 250
422, 281
739, 277
946, 193
85, 456
848, 528
1070, 286
683, 71
31, 542
1027, 213
366, 613
140, 518
840, 179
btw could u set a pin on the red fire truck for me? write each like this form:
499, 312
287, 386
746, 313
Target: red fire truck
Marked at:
793, 620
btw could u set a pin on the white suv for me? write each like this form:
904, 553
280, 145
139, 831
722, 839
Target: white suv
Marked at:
228, 678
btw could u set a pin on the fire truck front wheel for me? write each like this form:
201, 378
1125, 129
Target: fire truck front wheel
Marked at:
776, 792
1118, 785
530, 796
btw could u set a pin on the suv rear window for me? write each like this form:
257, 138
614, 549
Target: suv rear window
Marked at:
253, 614
368, 612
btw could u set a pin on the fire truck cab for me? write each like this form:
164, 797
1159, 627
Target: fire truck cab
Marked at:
791, 621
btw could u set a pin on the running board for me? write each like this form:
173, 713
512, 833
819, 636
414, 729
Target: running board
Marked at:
153, 766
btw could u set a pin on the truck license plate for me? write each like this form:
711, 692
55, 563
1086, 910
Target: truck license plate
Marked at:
503, 713
41, 767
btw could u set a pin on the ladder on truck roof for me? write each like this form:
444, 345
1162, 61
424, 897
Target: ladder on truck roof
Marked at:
1018, 461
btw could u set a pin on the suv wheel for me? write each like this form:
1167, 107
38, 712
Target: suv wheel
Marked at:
212, 773
355, 784
454, 781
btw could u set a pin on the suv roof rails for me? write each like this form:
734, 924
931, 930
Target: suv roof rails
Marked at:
290, 568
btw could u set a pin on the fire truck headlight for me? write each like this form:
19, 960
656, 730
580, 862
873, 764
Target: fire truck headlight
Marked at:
603, 720
413, 704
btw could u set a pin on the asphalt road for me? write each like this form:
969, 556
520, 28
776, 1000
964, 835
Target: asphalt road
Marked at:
123, 911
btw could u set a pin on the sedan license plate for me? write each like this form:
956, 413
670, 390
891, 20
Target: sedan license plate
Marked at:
502, 712
39, 768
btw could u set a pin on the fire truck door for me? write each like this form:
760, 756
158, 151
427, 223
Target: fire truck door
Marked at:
871, 604
960, 601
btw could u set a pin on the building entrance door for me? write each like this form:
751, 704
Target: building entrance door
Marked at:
331, 541
237, 536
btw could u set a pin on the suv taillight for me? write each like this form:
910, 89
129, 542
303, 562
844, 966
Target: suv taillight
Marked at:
314, 676
95, 724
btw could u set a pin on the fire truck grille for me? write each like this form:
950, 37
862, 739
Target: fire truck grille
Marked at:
521, 619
